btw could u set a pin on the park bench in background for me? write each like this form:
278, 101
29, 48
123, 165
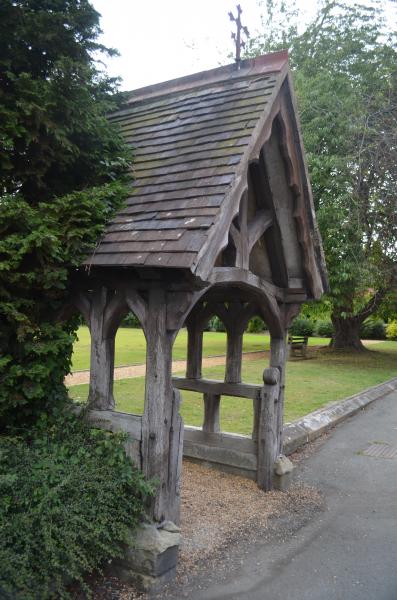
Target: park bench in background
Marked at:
297, 345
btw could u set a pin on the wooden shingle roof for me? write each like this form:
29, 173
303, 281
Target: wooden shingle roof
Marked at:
188, 137
193, 138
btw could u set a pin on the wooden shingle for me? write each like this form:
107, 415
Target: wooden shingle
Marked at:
193, 139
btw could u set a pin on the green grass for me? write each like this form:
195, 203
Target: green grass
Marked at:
131, 346
310, 384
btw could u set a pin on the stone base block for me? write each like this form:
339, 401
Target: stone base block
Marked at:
282, 475
150, 560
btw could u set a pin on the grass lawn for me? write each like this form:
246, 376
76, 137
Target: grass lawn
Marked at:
131, 346
310, 384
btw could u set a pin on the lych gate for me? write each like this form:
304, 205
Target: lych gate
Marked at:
220, 222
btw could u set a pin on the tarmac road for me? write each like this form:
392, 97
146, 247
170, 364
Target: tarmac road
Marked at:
346, 552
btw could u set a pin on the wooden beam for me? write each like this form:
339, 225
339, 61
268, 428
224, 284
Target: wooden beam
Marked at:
268, 435
235, 276
162, 428
100, 395
194, 350
278, 355
260, 291
234, 354
137, 305
257, 227
215, 387
274, 246
211, 423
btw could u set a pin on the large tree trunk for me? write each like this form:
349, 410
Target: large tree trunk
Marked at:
346, 333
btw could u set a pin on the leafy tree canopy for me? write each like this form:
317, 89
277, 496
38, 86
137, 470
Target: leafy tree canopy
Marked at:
344, 65
63, 172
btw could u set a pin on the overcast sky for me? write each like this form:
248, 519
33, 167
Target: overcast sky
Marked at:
163, 39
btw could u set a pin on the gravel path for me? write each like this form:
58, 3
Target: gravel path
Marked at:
140, 370
128, 372
218, 513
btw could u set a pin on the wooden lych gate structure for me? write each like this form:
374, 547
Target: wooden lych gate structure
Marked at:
220, 222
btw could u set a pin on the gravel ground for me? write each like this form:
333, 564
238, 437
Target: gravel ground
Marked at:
220, 513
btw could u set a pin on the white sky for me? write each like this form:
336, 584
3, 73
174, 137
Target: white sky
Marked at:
163, 39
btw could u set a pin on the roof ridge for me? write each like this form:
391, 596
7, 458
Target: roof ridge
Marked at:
267, 63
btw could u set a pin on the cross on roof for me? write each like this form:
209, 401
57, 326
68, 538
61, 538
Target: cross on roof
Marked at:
237, 37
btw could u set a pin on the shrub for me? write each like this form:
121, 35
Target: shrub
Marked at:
256, 325
324, 328
391, 330
131, 320
215, 324
68, 498
302, 326
373, 329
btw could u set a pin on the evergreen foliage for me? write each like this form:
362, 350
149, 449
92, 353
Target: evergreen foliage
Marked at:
324, 328
63, 173
302, 326
70, 498
256, 325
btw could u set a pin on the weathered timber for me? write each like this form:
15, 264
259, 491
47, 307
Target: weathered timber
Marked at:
194, 349
273, 242
161, 428
100, 395
268, 434
278, 353
256, 406
211, 423
232, 451
220, 222
213, 386
234, 354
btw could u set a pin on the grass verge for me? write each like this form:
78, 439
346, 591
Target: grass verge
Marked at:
131, 346
310, 384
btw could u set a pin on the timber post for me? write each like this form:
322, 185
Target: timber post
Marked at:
211, 422
194, 349
268, 434
162, 426
100, 395
278, 354
234, 354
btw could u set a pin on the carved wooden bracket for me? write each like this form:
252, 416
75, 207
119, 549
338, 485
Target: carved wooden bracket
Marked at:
246, 232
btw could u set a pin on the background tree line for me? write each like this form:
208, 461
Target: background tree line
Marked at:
344, 63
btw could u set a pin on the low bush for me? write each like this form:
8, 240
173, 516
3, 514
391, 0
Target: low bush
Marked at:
215, 324
373, 329
132, 321
302, 326
391, 330
324, 328
256, 325
68, 498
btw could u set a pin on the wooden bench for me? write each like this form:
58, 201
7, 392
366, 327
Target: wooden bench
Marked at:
297, 345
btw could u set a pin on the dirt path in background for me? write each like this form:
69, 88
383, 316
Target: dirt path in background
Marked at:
128, 372
140, 370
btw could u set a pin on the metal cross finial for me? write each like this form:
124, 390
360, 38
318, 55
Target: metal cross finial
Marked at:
237, 37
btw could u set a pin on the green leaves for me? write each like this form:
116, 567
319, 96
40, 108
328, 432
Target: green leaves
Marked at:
69, 499
344, 64
63, 174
